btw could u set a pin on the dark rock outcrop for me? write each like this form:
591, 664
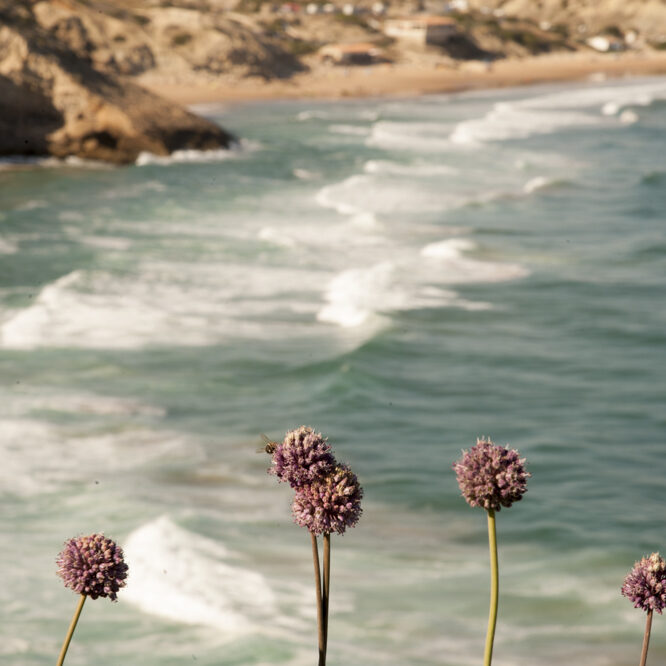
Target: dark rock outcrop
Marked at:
54, 101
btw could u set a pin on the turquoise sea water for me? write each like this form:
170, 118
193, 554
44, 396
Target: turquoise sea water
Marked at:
404, 275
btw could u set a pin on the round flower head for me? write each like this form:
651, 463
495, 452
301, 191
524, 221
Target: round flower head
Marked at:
491, 476
92, 565
331, 504
302, 457
645, 585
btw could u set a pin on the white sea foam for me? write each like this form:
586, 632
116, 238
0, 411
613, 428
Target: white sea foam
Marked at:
310, 115
409, 136
32, 204
114, 243
351, 130
161, 304
418, 169
634, 94
536, 183
610, 109
363, 193
628, 117
187, 578
28, 401
7, 246
305, 174
548, 113
40, 457
362, 296
456, 268
272, 235
356, 294
182, 156
508, 120
447, 249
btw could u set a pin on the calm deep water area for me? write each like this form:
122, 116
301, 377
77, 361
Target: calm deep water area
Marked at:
403, 275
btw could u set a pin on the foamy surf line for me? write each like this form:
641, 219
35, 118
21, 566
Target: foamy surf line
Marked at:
360, 296
187, 578
551, 112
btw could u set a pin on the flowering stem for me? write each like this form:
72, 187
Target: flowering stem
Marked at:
320, 622
70, 631
494, 589
327, 585
646, 638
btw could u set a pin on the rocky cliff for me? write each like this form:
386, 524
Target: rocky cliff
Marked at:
55, 101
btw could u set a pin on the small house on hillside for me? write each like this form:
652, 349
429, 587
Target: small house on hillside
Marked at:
421, 30
351, 54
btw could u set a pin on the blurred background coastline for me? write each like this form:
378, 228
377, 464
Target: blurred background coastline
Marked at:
106, 80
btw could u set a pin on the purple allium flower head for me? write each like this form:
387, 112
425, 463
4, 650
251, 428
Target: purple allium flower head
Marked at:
331, 504
491, 476
645, 585
302, 457
92, 565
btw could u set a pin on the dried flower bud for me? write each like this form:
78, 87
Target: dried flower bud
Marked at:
92, 565
491, 476
645, 585
331, 504
302, 457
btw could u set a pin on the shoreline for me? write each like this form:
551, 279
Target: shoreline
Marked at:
410, 80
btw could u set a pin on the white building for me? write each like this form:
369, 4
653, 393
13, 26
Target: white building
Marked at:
421, 30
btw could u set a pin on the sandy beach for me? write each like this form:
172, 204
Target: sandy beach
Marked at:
407, 80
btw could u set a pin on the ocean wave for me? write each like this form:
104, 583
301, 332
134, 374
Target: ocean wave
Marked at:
541, 183
81, 403
628, 117
548, 113
351, 130
356, 294
272, 235
305, 174
41, 457
8, 247
164, 303
362, 193
456, 268
421, 137
365, 296
615, 96
511, 120
418, 169
185, 156
184, 577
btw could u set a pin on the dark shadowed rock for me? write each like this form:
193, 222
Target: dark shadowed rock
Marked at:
53, 101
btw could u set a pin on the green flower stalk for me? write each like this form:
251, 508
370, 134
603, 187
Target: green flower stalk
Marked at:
327, 499
491, 477
645, 587
93, 566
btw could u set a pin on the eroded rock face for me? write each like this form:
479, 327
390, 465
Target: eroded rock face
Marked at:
54, 101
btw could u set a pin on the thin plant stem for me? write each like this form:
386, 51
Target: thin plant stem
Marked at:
70, 631
494, 589
320, 622
327, 585
646, 638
